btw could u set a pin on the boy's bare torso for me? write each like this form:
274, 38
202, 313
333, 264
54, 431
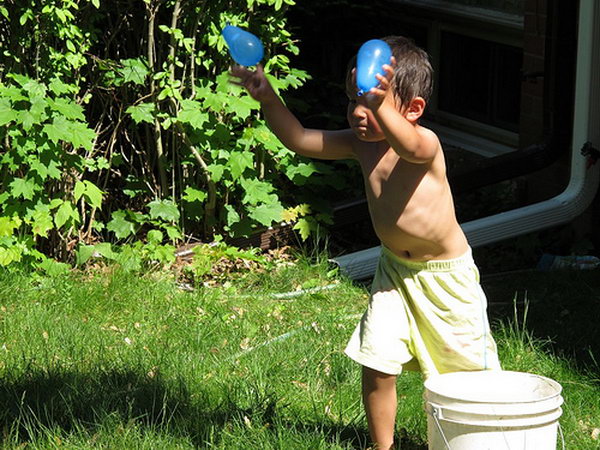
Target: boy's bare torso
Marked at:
409, 198
411, 204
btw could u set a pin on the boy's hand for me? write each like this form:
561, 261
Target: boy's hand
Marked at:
377, 95
255, 82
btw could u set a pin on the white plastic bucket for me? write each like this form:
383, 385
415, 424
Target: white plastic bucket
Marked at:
492, 410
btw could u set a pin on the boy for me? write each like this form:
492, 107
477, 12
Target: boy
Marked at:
427, 310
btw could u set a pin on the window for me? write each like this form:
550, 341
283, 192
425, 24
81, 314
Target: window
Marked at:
476, 49
480, 80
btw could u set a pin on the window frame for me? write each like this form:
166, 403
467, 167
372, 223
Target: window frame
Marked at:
439, 16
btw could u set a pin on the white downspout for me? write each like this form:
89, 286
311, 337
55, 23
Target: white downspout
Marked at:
583, 183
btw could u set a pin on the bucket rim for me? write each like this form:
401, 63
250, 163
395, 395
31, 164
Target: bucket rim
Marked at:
526, 421
431, 380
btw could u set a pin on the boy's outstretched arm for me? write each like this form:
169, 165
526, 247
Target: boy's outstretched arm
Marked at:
307, 142
414, 144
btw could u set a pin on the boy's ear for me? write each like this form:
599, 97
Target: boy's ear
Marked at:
416, 108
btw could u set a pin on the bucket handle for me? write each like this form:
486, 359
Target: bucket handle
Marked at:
436, 414
562, 436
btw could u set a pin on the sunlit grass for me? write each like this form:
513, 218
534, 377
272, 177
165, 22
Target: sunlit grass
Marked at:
114, 360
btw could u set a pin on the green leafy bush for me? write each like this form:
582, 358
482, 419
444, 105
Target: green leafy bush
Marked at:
118, 123
219, 262
43, 194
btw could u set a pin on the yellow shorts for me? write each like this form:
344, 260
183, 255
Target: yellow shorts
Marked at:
429, 316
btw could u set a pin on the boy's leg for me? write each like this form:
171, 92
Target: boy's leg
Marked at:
379, 398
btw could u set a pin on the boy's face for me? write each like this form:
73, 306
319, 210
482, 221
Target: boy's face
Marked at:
361, 120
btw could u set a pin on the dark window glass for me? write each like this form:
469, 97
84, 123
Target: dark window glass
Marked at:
480, 80
415, 32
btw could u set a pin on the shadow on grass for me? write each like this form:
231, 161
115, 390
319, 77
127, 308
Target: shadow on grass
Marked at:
75, 402
355, 437
72, 401
562, 306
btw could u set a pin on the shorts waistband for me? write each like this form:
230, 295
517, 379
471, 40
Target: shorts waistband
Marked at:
438, 265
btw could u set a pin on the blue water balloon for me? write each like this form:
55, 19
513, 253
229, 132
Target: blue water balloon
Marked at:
245, 48
372, 55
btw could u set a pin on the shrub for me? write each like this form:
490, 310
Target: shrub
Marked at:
118, 122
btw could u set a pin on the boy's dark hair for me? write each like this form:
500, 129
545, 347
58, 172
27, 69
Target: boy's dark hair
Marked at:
413, 74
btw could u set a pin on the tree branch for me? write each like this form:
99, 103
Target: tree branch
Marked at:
152, 10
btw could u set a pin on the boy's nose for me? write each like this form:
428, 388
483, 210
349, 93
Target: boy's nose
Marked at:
359, 111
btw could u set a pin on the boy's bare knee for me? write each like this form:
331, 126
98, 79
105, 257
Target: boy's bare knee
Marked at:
376, 374
374, 378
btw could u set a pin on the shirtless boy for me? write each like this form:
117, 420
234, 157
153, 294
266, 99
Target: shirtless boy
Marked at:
427, 310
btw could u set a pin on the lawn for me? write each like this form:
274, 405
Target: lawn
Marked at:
107, 359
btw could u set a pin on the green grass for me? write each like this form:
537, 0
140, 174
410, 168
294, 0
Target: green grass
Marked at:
113, 360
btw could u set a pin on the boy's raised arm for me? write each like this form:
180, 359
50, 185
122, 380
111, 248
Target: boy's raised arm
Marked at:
412, 143
307, 142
